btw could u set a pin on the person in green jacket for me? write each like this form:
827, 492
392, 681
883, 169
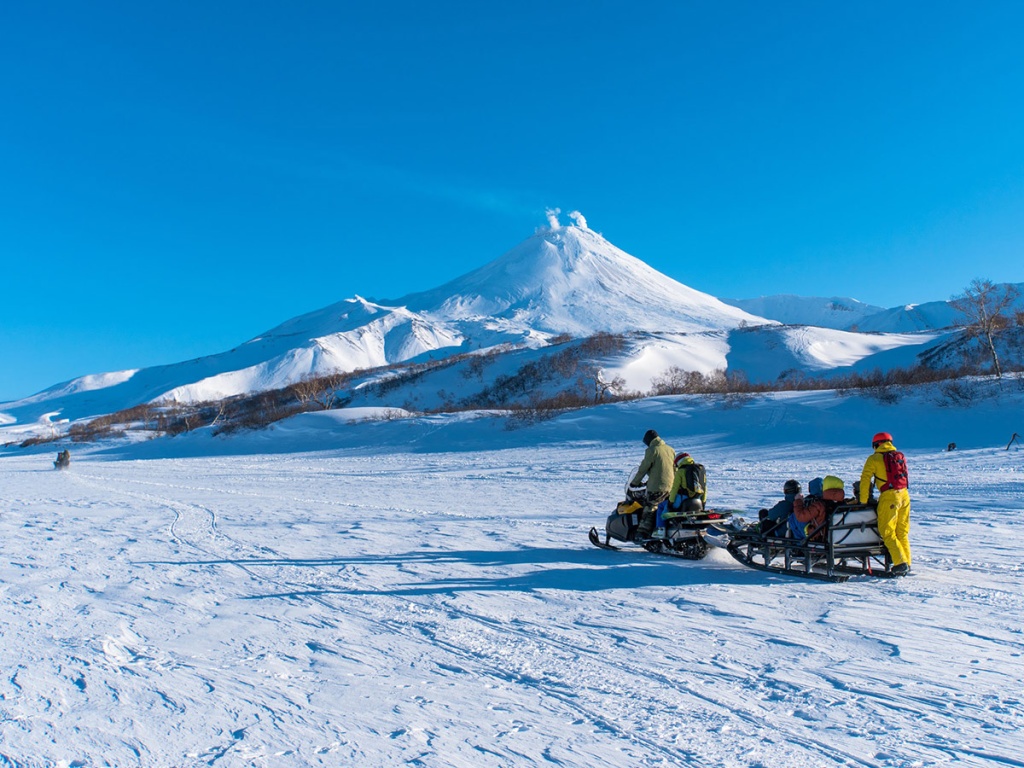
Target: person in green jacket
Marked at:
659, 473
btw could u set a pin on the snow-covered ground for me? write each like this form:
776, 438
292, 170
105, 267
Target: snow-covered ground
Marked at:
355, 602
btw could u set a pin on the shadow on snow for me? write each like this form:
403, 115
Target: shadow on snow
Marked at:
586, 571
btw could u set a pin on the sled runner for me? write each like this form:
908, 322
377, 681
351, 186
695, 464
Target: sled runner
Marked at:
676, 535
846, 544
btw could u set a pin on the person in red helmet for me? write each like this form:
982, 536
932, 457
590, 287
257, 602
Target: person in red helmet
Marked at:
689, 491
887, 469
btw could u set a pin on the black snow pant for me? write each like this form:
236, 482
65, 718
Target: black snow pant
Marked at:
649, 514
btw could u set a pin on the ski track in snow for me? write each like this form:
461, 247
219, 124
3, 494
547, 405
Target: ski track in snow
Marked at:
446, 610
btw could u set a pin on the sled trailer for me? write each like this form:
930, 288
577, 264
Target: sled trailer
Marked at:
847, 544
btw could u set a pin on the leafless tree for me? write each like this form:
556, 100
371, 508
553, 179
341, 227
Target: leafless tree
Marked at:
328, 397
306, 388
320, 390
605, 387
222, 406
986, 310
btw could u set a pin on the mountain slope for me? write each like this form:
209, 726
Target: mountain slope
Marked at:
560, 281
771, 353
912, 317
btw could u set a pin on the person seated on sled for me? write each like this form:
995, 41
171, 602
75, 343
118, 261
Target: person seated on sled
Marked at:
811, 512
63, 459
656, 468
773, 521
795, 528
833, 490
689, 491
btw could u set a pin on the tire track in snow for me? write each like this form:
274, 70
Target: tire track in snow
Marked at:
196, 527
565, 653
192, 523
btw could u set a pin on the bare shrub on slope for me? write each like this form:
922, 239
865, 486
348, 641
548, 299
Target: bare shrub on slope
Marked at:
986, 308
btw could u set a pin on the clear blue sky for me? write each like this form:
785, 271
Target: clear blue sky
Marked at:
177, 177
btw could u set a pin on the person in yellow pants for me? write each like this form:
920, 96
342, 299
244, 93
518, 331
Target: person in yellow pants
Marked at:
887, 469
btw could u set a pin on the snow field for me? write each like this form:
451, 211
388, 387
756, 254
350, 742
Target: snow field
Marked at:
445, 609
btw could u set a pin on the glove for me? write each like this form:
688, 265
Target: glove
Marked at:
635, 492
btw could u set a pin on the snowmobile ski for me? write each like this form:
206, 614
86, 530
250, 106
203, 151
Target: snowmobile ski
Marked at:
595, 539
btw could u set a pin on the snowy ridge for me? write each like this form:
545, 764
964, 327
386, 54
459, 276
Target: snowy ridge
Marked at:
377, 337
849, 314
912, 317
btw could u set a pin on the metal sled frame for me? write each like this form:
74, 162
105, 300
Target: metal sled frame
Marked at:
850, 546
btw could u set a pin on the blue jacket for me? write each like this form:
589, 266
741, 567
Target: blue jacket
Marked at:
783, 509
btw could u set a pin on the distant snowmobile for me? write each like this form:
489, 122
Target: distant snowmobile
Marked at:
678, 534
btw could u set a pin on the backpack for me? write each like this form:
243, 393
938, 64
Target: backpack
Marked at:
895, 471
810, 515
696, 480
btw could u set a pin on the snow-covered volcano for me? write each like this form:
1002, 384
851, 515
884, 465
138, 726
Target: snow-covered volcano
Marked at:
572, 280
562, 281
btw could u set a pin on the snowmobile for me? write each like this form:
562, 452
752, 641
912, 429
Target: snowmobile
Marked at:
63, 460
678, 534
846, 544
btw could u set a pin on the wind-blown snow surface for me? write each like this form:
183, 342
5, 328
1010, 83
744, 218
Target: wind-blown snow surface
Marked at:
441, 607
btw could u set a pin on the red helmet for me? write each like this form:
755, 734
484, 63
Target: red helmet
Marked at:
881, 437
680, 457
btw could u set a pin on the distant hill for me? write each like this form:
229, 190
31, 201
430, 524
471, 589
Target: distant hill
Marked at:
836, 312
932, 315
851, 315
